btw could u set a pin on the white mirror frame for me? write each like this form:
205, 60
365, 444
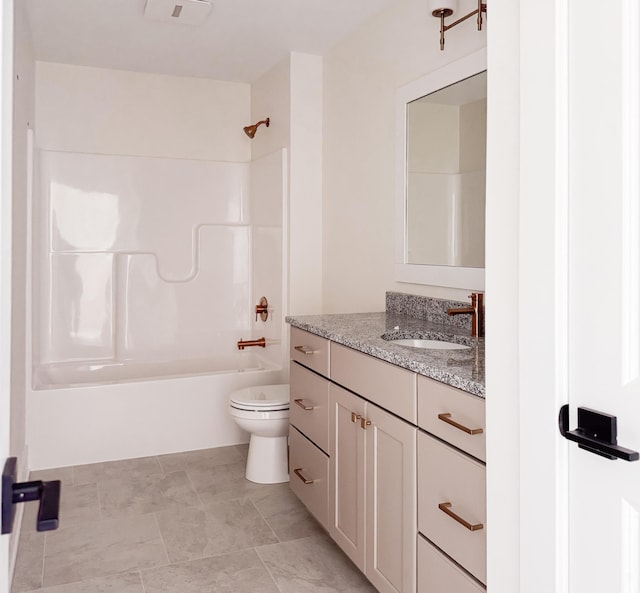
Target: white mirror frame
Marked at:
448, 276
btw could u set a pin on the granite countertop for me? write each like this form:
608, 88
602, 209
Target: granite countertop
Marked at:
463, 369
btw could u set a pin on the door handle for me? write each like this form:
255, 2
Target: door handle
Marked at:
48, 493
597, 432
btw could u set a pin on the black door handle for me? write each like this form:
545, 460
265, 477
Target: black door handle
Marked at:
48, 493
597, 432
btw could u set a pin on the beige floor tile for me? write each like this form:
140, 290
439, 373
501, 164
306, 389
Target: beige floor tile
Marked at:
150, 494
313, 565
217, 528
29, 562
125, 468
238, 572
284, 512
78, 505
108, 547
129, 582
205, 458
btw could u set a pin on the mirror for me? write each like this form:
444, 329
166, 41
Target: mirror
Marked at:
441, 125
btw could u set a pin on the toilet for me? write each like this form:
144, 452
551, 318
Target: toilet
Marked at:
263, 411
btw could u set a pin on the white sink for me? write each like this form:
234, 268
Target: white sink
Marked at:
430, 344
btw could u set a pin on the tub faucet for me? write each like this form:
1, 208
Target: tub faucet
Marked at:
242, 344
476, 310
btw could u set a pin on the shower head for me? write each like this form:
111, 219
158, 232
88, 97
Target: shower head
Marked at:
251, 130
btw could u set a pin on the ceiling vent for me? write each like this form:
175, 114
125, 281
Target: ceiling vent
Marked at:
186, 12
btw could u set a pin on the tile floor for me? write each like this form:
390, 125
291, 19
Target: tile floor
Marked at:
182, 523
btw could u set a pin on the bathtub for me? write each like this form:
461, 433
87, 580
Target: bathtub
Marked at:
88, 413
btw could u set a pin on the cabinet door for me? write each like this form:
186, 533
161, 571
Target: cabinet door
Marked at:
391, 524
346, 473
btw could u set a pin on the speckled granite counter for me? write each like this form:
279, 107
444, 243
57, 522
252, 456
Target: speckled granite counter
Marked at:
463, 369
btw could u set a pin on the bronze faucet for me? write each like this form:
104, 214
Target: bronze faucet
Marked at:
476, 310
242, 344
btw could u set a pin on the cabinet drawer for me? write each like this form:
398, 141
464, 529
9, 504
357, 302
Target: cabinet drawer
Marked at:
387, 385
437, 574
310, 350
309, 406
446, 476
437, 399
308, 464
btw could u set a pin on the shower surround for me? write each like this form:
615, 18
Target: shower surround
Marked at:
151, 263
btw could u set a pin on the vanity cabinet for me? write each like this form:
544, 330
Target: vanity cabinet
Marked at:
373, 490
309, 420
399, 458
451, 488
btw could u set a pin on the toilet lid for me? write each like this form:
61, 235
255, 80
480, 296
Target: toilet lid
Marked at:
261, 397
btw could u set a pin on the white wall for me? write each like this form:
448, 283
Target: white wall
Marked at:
291, 95
361, 76
95, 110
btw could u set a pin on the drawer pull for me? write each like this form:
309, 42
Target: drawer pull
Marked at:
364, 423
298, 472
305, 350
355, 417
445, 507
302, 405
447, 418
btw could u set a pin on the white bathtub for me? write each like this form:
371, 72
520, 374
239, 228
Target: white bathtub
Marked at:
87, 413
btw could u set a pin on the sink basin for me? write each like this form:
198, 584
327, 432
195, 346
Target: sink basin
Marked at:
430, 344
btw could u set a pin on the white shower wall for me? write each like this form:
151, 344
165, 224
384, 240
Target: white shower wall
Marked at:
151, 258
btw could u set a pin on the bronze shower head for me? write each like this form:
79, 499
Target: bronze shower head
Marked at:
251, 130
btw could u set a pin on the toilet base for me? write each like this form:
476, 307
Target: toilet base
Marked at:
267, 460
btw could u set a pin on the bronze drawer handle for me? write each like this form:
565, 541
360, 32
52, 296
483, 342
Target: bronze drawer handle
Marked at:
298, 472
305, 350
447, 418
445, 507
364, 423
303, 406
355, 417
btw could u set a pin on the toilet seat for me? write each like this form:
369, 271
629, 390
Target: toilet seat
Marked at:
263, 398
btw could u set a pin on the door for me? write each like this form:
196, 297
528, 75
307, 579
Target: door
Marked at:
604, 288
347, 473
579, 294
6, 70
391, 523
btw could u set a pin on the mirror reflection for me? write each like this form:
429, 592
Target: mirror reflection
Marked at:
445, 192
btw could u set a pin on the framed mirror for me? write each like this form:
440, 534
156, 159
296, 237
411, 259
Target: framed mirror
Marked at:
440, 172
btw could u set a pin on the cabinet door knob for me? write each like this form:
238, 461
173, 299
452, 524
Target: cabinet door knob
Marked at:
364, 423
447, 418
445, 507
355, 417
298, 472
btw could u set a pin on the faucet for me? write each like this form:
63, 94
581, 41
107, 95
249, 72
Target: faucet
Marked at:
242, 344
476, 310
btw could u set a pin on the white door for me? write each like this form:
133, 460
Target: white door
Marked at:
6, 69
579, 303
604, 288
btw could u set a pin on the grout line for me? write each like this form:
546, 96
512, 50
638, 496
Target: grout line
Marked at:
264, 519
202, 505
141, 581
44, 553
268, 571
164, 546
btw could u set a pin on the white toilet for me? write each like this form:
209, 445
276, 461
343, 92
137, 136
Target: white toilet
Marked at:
263, 411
